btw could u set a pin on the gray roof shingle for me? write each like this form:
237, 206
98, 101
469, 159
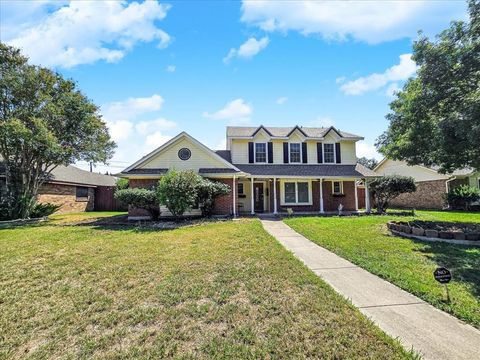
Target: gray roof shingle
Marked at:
247, 131
74, 175
216, 171
153, 171
307, 170
224, 154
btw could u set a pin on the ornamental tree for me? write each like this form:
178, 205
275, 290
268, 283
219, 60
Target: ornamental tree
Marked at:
368, 163
386, 188
435, 119
45, 121
177, 190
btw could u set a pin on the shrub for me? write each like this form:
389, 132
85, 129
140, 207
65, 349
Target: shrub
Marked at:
177, 190
208, 191
462, 197
43, 209
386, 188
140, 198
122, 184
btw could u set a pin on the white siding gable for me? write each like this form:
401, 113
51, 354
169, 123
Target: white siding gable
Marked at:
419, 173
168, 158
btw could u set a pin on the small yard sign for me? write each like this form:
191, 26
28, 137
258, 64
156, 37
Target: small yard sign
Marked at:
442, 275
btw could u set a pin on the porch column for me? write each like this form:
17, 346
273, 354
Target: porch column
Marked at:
356, 195
252, 197
275, 196
368, 209
234, 195
320, 181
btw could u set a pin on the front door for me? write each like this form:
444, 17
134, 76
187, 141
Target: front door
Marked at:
258, 193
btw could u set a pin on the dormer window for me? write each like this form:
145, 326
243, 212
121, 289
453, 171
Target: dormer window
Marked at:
328, 153
295, 153
260, 152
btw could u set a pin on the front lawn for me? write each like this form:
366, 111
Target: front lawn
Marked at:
407, 263
218, 290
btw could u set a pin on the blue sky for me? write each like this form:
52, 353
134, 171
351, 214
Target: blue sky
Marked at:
158, 68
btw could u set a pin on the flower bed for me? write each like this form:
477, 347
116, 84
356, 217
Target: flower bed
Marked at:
437, 230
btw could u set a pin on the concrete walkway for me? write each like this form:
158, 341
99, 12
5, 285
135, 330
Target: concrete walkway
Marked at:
431, 332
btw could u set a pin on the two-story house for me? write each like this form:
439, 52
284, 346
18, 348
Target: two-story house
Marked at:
269, 169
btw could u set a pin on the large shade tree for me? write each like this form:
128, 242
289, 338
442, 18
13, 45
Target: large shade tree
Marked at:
45, 121
435, 119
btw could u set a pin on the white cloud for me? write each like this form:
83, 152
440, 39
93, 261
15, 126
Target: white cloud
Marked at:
282, 100
247, 50
171, 68
154, 140
236, 111
146, 127
322, 121
392, 89
83, 32
369, 21
120, 130
401, 72
131, 108
366, 150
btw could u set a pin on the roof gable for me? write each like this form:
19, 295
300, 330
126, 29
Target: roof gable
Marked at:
166, 156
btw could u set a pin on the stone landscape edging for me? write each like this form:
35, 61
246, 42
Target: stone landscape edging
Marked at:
414, 233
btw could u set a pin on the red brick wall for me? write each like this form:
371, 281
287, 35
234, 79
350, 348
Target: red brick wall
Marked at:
143, 183
224, 204
331, 202
65, 196
429, 195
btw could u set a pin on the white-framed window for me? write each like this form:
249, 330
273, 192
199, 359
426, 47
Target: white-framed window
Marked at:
295, 152
296, 192
260, 152
337, 187
329, 153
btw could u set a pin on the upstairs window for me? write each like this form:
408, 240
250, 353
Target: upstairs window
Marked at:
329, 153
295, 153
260, 152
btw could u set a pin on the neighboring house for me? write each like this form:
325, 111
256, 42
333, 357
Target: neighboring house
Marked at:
269, 169
75, 189
431, 185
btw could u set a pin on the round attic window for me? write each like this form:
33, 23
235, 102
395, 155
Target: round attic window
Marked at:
184, 153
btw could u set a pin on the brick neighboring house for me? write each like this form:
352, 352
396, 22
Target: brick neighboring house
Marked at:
431, 185
75, 190
269, 170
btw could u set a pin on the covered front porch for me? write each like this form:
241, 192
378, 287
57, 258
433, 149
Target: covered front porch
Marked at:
300, 195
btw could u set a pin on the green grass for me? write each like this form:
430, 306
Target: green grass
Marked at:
218, 290
407, 263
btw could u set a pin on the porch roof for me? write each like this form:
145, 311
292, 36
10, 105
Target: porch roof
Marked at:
321, 170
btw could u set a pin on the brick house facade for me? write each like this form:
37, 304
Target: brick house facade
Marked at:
267, 169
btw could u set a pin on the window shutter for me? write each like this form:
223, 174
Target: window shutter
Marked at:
285, 152
270, 152
320, 153
337, 153
250, 152
304, 153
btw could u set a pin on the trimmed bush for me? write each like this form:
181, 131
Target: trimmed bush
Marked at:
178, 191
462, 197
43, 209
140, 198
386, 188
208, 191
